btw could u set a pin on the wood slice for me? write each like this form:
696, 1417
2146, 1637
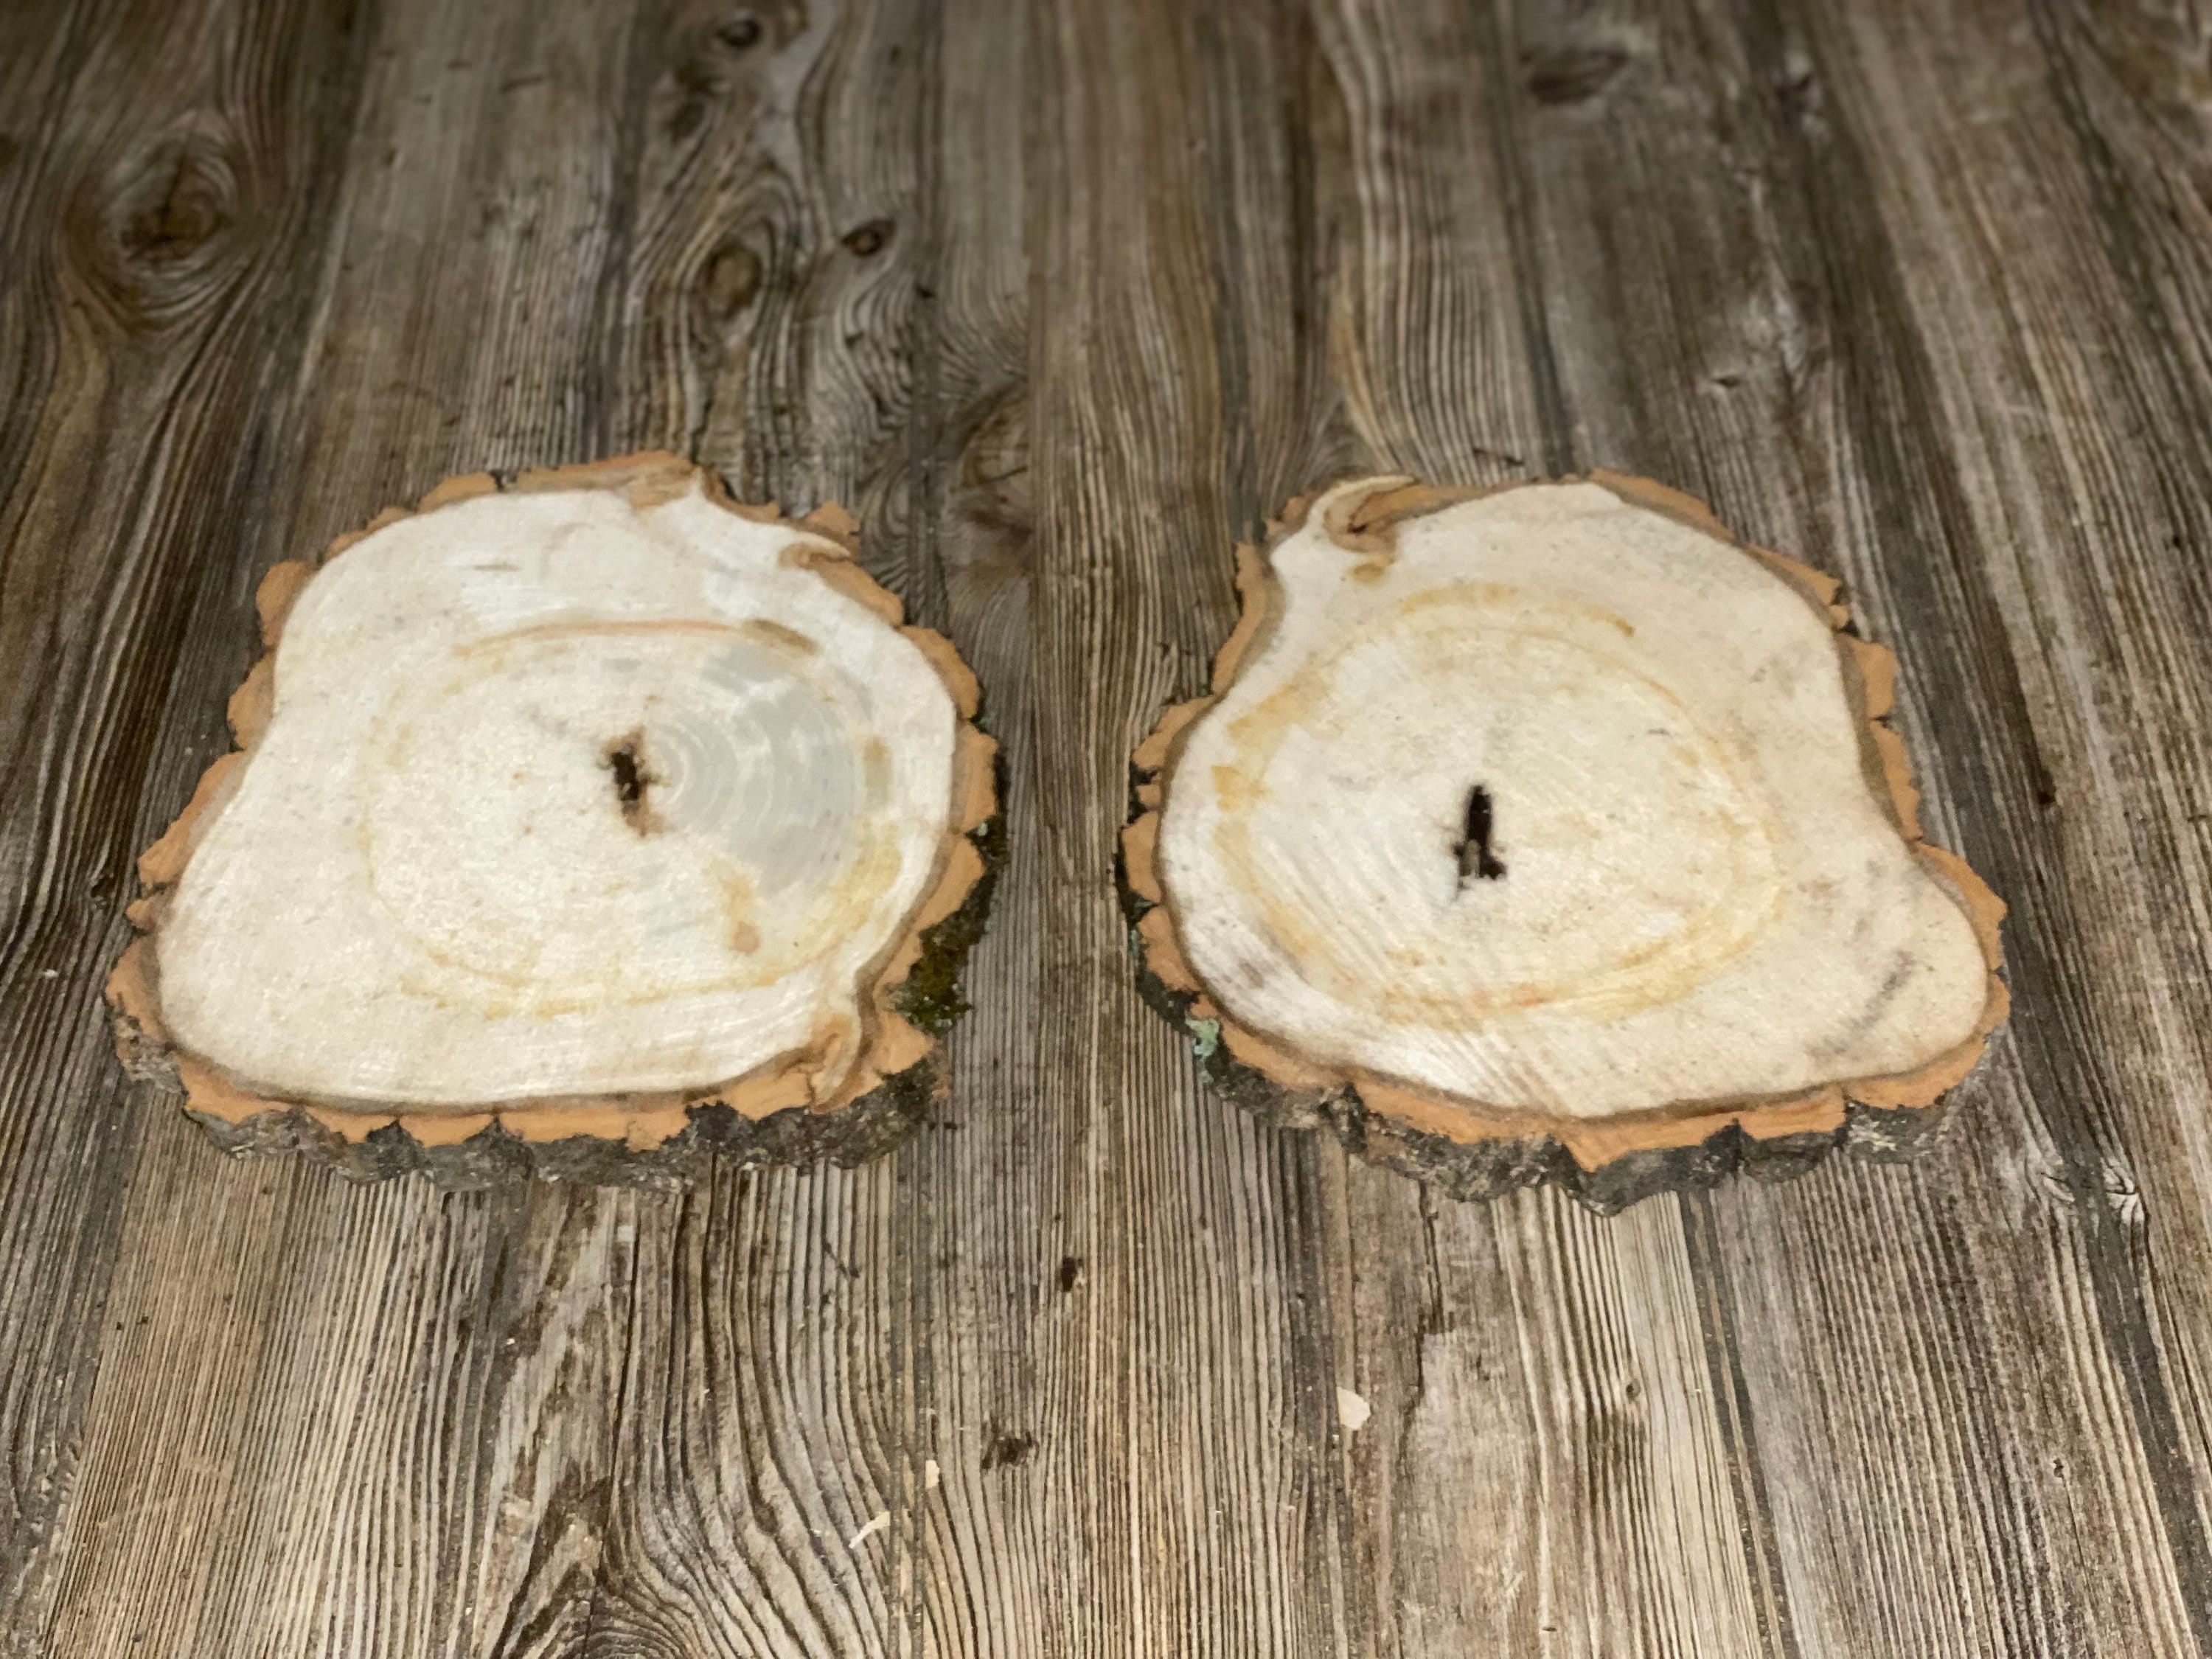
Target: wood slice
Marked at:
589, 824
1552, 833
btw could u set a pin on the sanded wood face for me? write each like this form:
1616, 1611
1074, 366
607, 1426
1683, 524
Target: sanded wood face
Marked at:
565, 796
1554, 802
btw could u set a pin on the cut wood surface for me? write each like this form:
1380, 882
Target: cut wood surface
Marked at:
1059, 299
1719, 927
589, 808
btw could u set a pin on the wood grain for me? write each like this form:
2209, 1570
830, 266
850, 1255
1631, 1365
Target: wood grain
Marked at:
1062, 298
147, 238
1839, 389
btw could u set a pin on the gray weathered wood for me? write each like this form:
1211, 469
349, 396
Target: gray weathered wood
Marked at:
1062, 298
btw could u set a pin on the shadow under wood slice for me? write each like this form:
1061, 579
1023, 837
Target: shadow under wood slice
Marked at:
588, 826
1552, 834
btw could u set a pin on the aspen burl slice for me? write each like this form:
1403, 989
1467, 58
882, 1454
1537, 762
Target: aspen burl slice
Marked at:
1550, 832
588, 825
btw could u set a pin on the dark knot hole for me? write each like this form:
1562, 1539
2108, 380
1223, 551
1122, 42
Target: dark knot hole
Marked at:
625, 759
1475, 859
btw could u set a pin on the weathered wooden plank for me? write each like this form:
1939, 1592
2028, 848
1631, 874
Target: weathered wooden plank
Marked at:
144, 309
770, 1464
990, 1265
1719, 300
1178, 1477
374, 1421
758, 1440
551, 1524
395, 1396
2081, 751
1547, 1464
2067, 328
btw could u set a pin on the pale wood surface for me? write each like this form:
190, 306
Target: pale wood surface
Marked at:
1059, 297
